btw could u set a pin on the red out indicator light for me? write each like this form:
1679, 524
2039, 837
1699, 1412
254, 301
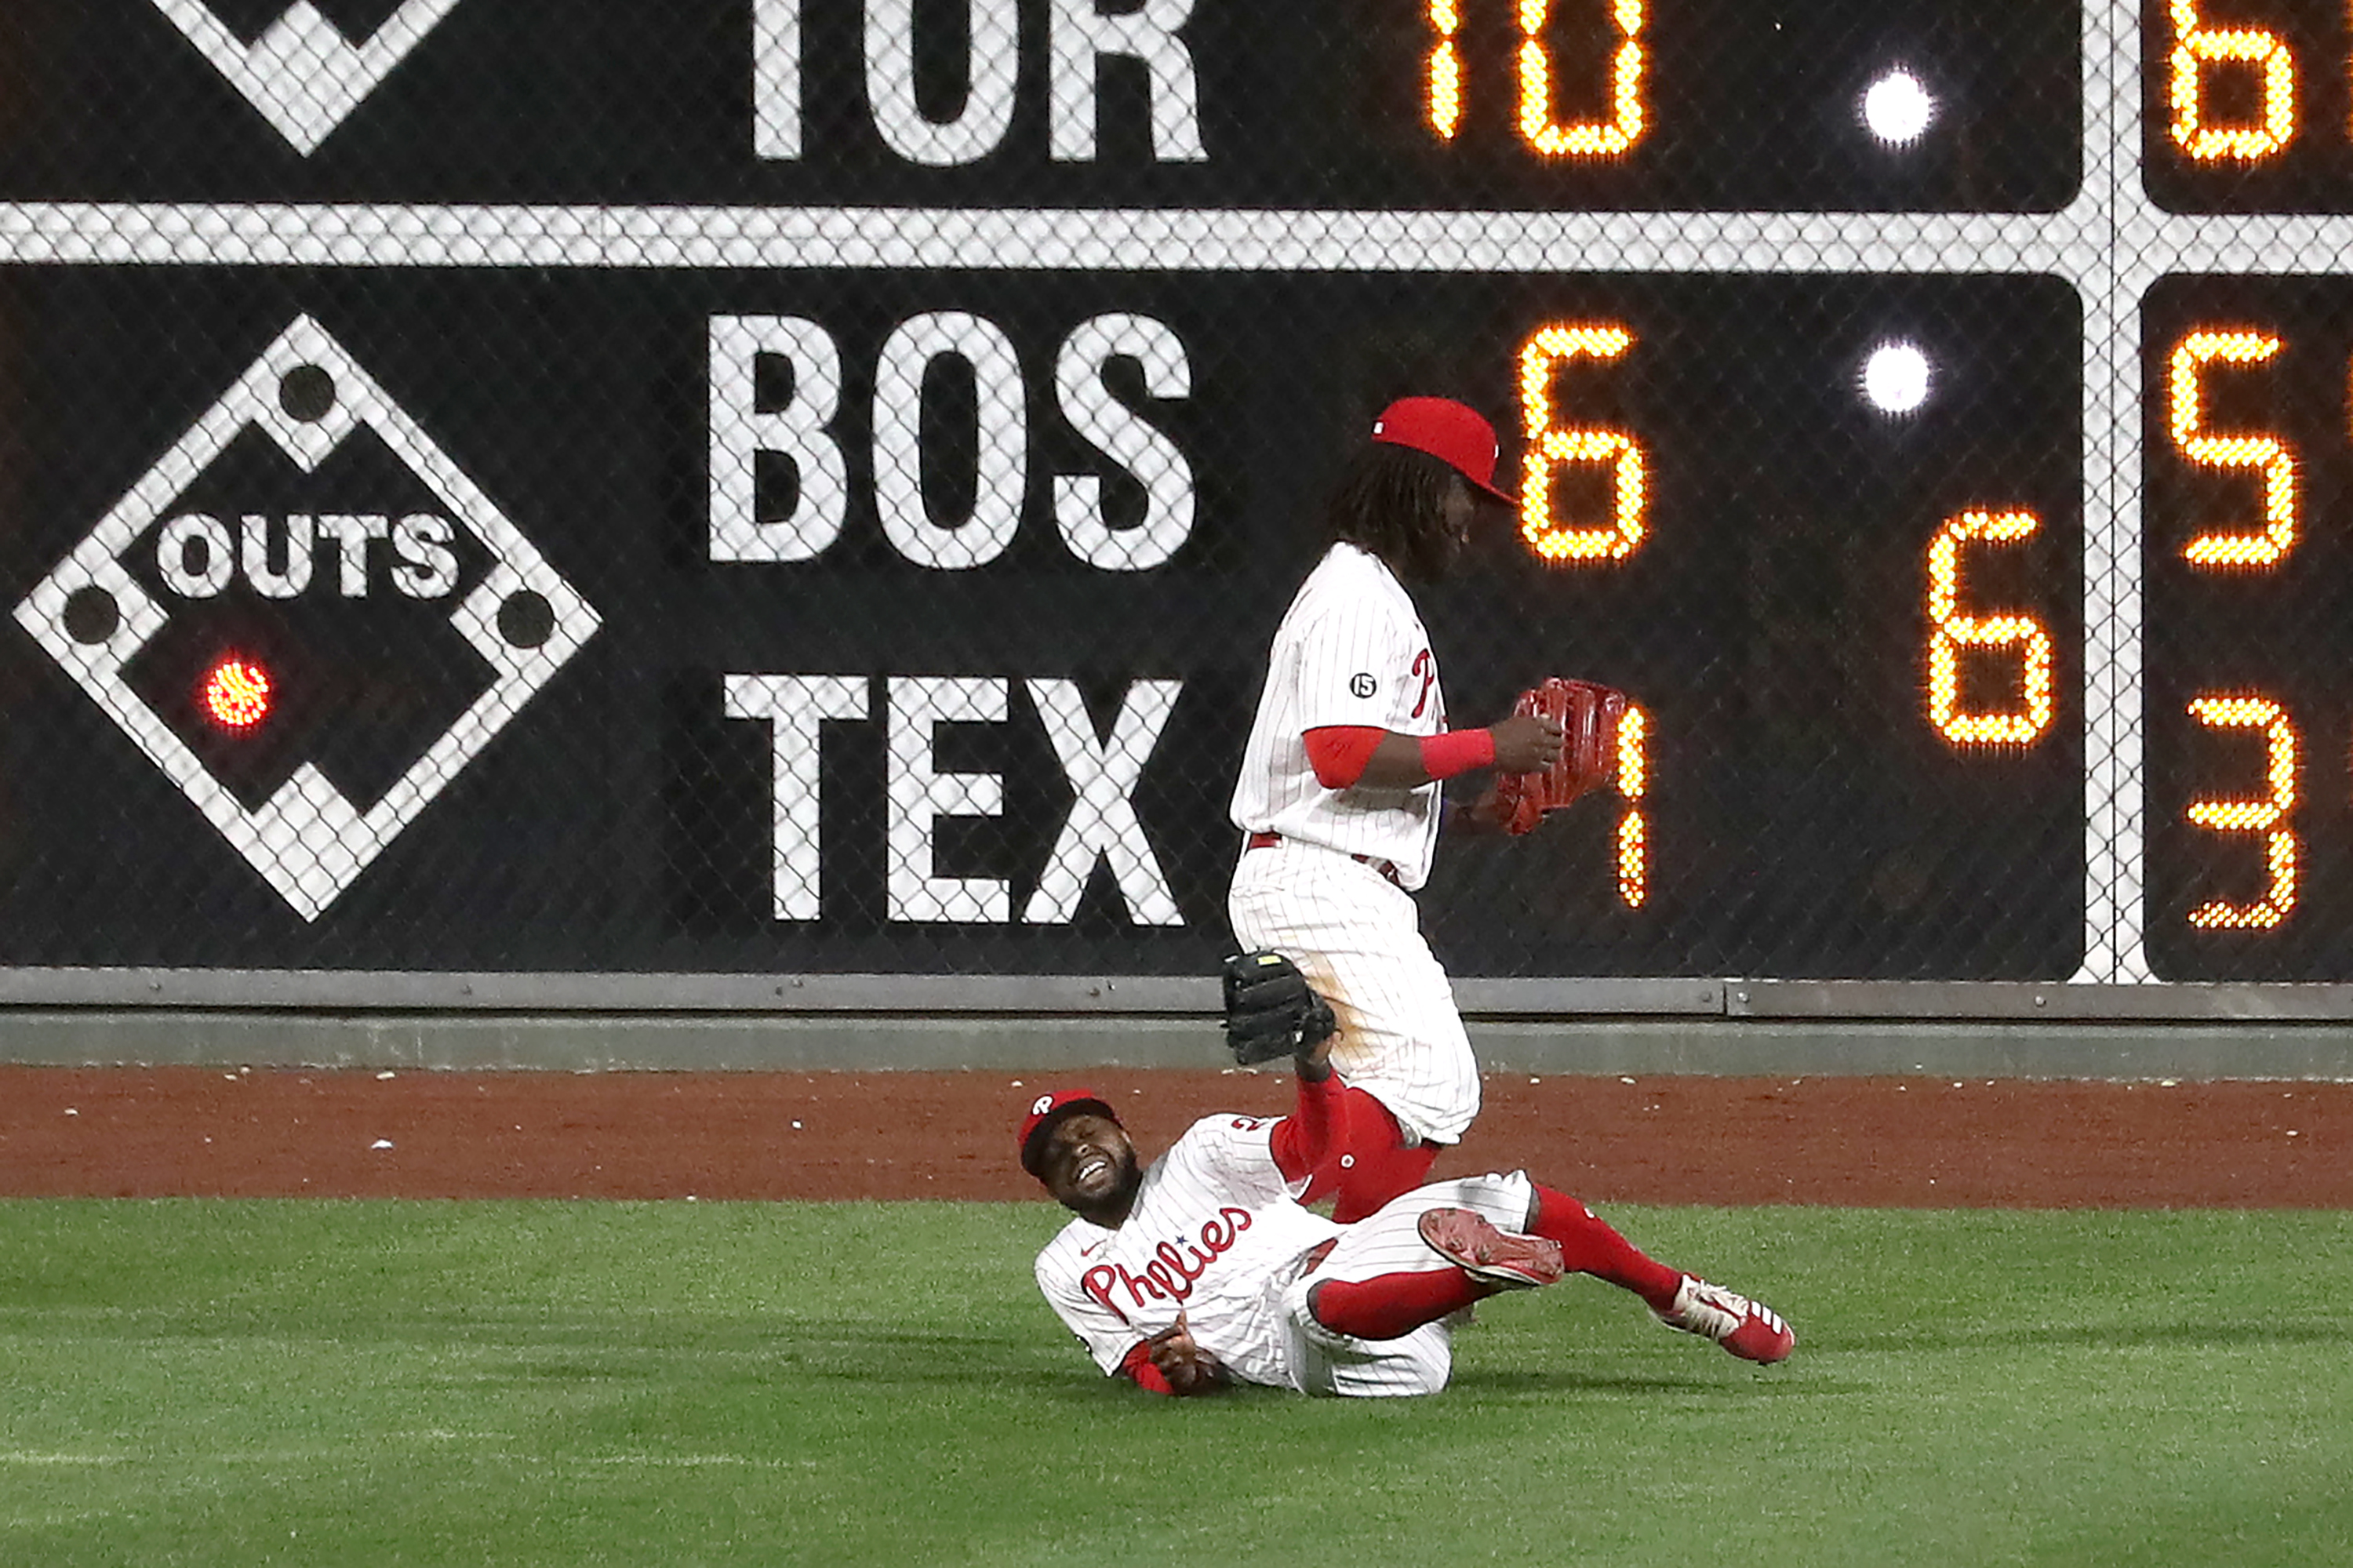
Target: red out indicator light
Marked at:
237, 694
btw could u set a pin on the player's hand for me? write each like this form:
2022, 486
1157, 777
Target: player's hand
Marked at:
1188, 1368
1527, 744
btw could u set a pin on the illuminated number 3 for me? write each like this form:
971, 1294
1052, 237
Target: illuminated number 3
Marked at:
1952, 629
1579, 139
2267, 817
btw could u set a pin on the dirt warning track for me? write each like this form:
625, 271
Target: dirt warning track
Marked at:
1878, 1142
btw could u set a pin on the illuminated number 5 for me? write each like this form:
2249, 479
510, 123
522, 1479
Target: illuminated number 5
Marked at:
2268, 816
2197, 45
1549, 449
2275, 459
1951, 631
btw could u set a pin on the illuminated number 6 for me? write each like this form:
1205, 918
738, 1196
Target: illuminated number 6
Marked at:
2268, 816
1584, 138
1549, 449
1952, 631
2197, 45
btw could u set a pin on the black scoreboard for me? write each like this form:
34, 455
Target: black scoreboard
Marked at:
1475, 104
496, 484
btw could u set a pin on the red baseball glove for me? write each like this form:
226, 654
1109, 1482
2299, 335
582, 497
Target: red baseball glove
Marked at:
1589, 755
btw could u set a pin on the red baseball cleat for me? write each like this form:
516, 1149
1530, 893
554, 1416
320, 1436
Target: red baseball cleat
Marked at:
1504, 1259
1749, 1330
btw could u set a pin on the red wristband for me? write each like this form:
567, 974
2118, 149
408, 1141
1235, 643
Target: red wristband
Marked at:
1142, 1373
1457, 751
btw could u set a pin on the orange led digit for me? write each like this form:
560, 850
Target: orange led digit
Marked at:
2275, 459
1633, 831
1583, 138
1951, 631
1445, 69
2195, 48
1549, 449
2267, 817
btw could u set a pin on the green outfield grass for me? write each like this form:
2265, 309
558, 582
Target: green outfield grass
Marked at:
248, 1382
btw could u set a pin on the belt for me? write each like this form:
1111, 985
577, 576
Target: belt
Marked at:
1268, 841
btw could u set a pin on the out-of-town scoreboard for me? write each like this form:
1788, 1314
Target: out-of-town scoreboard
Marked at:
576, 488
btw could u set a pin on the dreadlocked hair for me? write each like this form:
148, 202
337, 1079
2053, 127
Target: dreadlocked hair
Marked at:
1391, 500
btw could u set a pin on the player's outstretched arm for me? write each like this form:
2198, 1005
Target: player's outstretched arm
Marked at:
1301, 1141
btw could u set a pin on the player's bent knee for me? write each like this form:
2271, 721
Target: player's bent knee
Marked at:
1299, 1305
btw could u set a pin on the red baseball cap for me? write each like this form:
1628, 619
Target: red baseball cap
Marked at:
1454, 433
1047, 1110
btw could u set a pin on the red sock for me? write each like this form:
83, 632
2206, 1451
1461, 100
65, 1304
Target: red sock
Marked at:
1391, 1306
1588, 1245
1370, 1162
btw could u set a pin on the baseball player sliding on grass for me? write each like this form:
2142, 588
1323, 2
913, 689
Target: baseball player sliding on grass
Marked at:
1204, 1269
1340, 795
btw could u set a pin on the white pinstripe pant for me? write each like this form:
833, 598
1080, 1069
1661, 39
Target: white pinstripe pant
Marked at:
1356, 937
1389, 1241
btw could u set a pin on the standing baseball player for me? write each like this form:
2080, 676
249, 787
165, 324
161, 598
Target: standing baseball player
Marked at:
1204, 1269
1340, 797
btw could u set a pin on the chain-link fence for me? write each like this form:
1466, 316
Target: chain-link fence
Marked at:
501, 486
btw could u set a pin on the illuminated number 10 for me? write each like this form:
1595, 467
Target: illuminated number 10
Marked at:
1579, 139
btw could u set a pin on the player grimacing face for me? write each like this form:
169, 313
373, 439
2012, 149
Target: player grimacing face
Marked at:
1090, 1166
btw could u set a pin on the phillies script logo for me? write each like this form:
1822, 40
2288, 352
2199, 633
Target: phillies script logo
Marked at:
1174, 1267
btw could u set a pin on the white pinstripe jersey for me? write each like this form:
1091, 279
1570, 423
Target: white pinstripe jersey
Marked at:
1214, 1231
1351, 651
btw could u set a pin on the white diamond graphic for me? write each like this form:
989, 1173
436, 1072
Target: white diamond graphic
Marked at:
308, 841
303, 74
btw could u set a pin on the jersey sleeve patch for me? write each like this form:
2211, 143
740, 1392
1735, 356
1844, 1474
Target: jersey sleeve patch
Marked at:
1357, 665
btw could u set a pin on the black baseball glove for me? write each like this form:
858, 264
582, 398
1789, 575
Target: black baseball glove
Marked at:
1271, 1010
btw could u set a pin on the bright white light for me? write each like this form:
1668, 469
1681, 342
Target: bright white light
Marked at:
1896, 377
1897, 108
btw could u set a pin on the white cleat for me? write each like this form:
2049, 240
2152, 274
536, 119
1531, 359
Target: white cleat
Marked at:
1749, 1330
